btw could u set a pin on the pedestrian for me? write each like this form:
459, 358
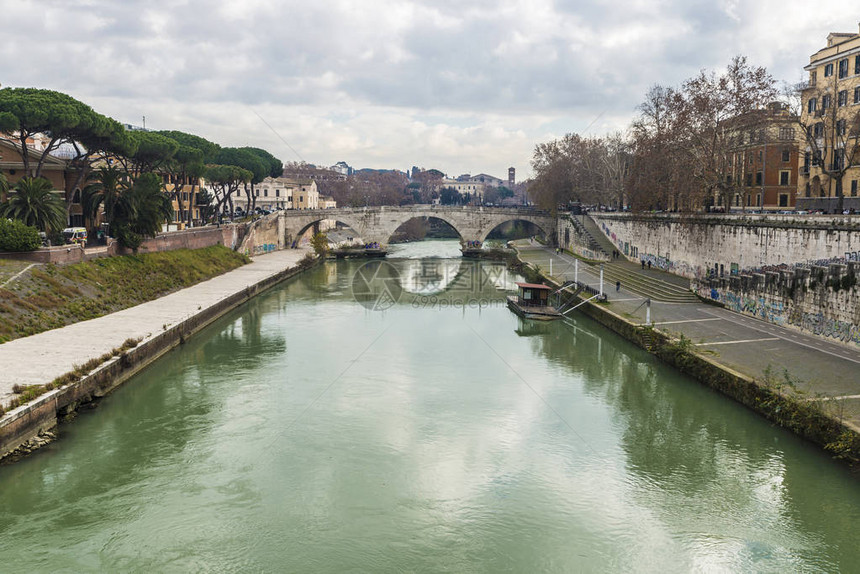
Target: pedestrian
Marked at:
617, 286
649, 266
643, 263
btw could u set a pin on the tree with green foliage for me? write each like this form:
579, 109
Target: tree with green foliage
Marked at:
34, 202
250, 162
141, 211
188, 166
185, 169
16, 236
4, 187
107, 138
320, 244
152, 151
205, 204
31, 111
207, 148
274, 165
224, 181
450, 196
104, 191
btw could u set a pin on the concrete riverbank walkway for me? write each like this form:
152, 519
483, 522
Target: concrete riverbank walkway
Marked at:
823, 370
41, 358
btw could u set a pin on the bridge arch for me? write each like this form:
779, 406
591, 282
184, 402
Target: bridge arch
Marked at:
423, 216
543, 227
296, 227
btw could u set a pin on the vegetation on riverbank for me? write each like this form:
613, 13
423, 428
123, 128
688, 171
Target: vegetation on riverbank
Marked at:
51, 296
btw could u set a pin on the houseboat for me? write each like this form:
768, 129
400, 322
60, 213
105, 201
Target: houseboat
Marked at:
532, 302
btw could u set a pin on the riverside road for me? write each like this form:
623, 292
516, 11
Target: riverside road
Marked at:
821, 369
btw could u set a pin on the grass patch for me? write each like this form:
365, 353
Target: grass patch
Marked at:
51, 296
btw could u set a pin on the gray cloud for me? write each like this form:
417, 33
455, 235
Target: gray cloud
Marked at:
463, 85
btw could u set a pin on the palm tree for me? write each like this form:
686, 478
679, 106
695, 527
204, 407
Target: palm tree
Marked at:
34, 202
142, 210
104, 190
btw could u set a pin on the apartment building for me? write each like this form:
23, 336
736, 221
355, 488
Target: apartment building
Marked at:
763, 165
830, 115
282, 193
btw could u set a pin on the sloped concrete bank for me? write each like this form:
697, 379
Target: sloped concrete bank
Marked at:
30, 426
769, 398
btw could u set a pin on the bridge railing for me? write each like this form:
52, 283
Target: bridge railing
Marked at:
531, 211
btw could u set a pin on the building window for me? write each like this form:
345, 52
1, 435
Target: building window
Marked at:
759, 156
758, 178
265, 193
277, 193
828, 70
786, 134
842, 98
857, 95
784, 177
812, 105
783, 200
786, 154
854, 188
758, 200
813, 77
807, 159
818, 130
857, 64
841, 127
838, 161
825, 101
843, 68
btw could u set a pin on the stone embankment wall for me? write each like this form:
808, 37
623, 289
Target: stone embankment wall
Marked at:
697, 246
261, 236
818, 300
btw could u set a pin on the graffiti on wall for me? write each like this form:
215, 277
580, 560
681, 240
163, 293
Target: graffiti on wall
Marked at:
780, 313
771, 311
818, 324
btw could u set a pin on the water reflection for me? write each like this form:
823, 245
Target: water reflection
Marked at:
306, 432
686, 447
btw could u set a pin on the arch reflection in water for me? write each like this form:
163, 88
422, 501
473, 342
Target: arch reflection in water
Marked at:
379, 285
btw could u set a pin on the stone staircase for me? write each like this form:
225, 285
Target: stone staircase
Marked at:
653, 283
591, 234
670, 289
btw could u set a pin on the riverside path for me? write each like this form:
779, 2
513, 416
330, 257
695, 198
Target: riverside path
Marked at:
821, 369
40, 358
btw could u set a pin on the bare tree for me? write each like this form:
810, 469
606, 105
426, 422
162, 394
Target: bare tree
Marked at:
715, 107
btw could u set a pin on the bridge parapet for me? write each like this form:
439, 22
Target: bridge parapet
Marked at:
378, 224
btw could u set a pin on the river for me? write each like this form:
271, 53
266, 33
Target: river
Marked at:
328, 427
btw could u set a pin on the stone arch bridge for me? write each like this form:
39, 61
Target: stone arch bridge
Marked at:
378, 224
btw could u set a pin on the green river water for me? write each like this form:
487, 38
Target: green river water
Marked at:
425, 428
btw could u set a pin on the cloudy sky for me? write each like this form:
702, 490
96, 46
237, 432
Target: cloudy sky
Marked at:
465, 86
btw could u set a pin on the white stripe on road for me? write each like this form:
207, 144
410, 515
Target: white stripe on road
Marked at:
688, 321
835, 398
741, 341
